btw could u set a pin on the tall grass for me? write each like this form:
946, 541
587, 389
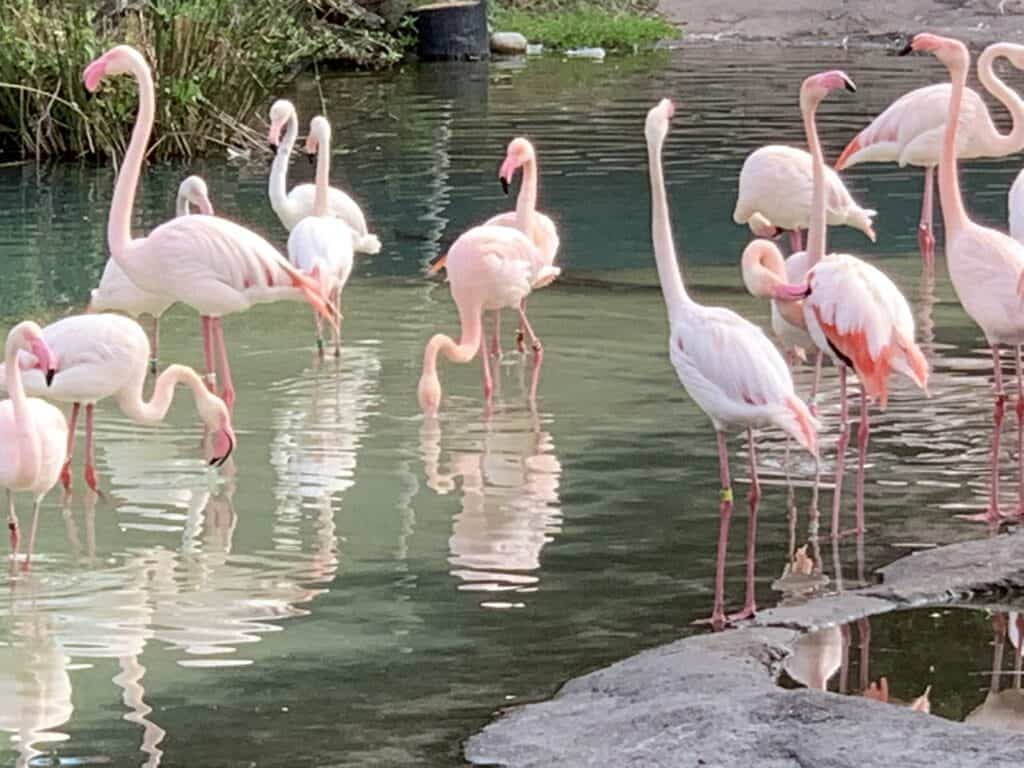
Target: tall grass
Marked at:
214, 63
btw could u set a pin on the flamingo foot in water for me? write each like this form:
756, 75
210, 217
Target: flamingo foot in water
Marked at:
747, 612
12, 528
993, 517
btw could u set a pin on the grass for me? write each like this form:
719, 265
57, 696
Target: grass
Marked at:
622, 26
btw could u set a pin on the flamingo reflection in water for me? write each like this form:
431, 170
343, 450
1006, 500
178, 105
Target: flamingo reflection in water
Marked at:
510, 503
1003, 709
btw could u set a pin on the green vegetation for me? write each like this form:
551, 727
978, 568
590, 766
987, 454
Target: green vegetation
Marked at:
215, 62
617, 26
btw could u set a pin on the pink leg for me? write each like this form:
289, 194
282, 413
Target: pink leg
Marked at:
992, 515
12, 526
228, 393
318, 329
336, 301
523, 325
862, 453
796, 240
534, 380
725, 514
32, 534
206, 324
925, 235
488, 381
65, 472
816, 382
90, 450
496, 343
154, 344
749, 605
1020, 433
844, 438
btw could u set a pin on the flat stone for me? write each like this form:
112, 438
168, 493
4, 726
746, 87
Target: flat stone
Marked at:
508, 43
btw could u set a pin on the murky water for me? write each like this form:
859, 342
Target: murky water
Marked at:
359, 588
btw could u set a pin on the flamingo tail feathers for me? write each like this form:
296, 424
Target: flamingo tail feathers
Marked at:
851, 148
801, 424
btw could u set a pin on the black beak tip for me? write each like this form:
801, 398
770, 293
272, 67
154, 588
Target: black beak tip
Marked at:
851, 87
504, 184
272, 146
906, 49
50, 373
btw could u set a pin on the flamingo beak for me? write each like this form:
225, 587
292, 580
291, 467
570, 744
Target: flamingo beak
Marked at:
504, 184
906, 49
784, 292
218, 461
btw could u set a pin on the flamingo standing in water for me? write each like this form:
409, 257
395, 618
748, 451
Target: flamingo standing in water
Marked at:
986, 266
489, 268
33, 434
116, 292
1015, 204
292, 207
910, 131
104, 355
853, 311
528, 220
212, 264
321, 244
725, 363
775, 194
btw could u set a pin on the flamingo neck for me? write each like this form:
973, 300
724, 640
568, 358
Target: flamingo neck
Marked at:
155, 410
817, 225
671, 279
278, 185
26, 439
953, 213
470, 318
1000, 144
119, 235
526, 203
323, 174
181, 206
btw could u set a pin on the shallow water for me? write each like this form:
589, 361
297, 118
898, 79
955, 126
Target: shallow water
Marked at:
357, 587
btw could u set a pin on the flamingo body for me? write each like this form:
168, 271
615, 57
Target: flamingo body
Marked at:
1016, 206
51, 428
321, 246
986, 267
543, 232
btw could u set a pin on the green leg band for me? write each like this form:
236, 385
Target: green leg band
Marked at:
726, 494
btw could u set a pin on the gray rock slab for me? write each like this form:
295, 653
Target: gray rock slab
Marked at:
508, 43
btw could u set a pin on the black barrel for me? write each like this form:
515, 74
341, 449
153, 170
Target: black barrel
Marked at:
453, 31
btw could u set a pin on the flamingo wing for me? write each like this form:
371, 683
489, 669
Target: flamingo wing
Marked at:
544, 233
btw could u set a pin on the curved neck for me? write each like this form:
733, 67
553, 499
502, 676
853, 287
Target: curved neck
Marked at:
953, 213
26, 438
119, 233
278, 185
323, 174
676, 298
526, 203
181, 205
1000, 144
472, 330
817, 226
156, 409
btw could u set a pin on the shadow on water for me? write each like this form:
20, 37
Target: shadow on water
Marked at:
361, 586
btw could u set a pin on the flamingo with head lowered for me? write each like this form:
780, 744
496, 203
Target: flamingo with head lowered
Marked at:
103, 355
726, 364
292, 207
212, 264
986, 266
116, 292
910, 131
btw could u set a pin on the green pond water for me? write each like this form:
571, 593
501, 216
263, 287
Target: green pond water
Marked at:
358, 587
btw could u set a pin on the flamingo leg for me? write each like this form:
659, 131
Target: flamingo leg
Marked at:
65, 472
844, 664
336, 301
534, 380
864, 630
754, 497
862, 453
154, 343
488, 381
724, 514
1020, 432
796, 240
992, 515
523, 326
32, 533
12, 524
228, 393
318, 329
496, 341
844, 438
816, 383
206, 323
925, 235
90, 450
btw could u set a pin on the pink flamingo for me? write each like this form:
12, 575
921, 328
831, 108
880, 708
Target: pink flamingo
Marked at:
489, 268
985, 265
212, 264
116, 292
292, 207
33, 434
853, 311
528, 220
775, 194
725, 363
103, 355
321, 244
909, 132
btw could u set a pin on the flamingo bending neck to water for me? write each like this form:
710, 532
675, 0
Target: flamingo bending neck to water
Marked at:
726, 364
986, 266
212, 264
910, 131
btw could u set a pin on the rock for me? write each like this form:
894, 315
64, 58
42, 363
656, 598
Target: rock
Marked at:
508, 43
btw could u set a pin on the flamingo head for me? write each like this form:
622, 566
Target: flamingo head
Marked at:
319, 134
761, 227
193, 190
817, 87
217, 418
119, 60
656, 127
281, 111
28, 337
429, 394
519, 153
950, 52
764, 273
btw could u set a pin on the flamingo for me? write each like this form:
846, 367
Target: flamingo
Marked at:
775, 194
910, 131
526, 218
33, 433
212, 264
292, 207
321, 245
725, 363
104, 355
854, 313
117, 292
489, 268
986, 266
1015, 204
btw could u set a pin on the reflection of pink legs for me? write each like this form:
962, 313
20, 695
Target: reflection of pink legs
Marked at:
725, 514
90, 450
796, 240
844, 438
864, 630
925, 235
224, 371
749, 604
65, 472
862, 452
